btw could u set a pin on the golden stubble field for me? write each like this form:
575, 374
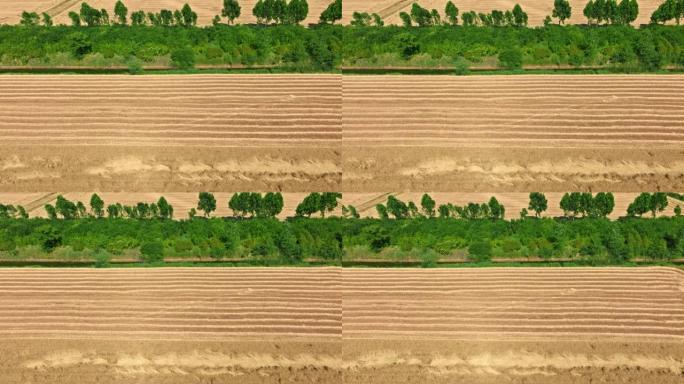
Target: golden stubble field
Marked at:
170, 133
536, 10
618, 133
328, 325
205, 9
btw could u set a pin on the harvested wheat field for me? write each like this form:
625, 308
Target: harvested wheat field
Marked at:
328, 325
621, 133
170, 133
205, 9
537, 10
514, 325
170, 325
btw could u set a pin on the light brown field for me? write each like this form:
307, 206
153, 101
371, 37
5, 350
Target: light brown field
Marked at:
512, 133
536, 10
170, 325
525, 325
170, 133
328, 325
206, 9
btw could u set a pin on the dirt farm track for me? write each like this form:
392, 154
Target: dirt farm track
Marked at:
297, 133
325, 325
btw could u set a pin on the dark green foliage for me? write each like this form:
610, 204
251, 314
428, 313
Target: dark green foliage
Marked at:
562, 10
152, 251
511, 58
332, 13
97, 205
360, 19
318, 202
428, 205
206, 203
183, 58
451, 12
48, 238
538, 203
29, 19
480, 250
121, 12
231, 10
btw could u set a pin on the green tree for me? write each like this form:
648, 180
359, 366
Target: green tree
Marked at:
310, 205
377, 20
451, 12
405, 19
360, 19
589, 11
165, 209
66, 208
678, 211
47, 19
421, 16
297, 11
328, 202
538, 203
75, 19
96, 205
51, 211
382, 211
90, 16
603, 204
121, 12
206, 203
231, 10
428, 205
628, 10
189, 16
332, 13
113, 211
658, 203
29, 19
640, 205
272, 204
396, 207
138, 18
496, 209
519, 16
561, 10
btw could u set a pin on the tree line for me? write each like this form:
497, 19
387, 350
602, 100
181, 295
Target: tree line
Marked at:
271, 204
266, 241
622, 12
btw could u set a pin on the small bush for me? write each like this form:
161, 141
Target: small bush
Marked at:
183, 58
152, 251
480, 250
511, 58
102, 258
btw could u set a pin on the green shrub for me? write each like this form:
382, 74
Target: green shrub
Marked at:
183, 58
480, 250
102, 258
511, 58
152, 251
